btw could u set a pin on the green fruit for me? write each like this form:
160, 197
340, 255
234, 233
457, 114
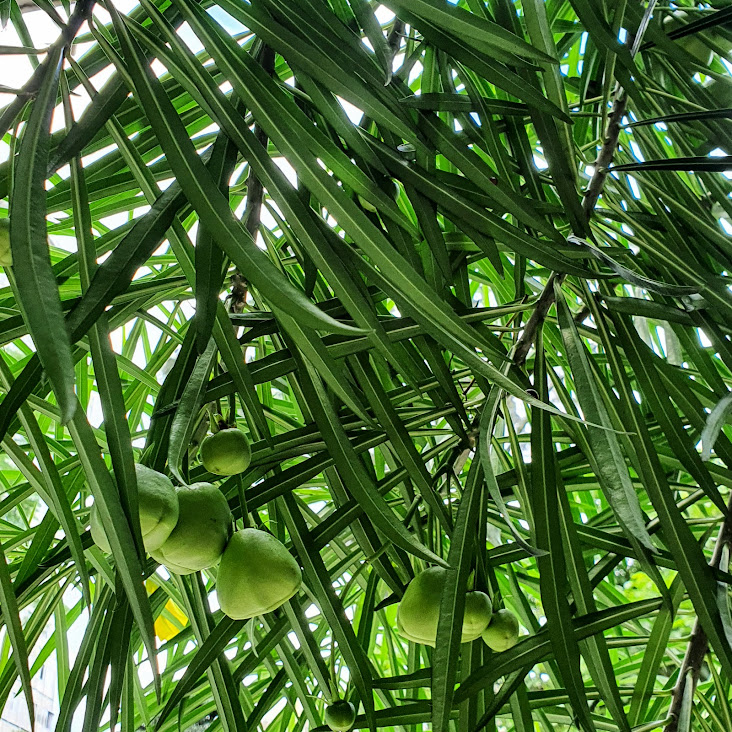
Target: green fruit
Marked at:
158, 505
419, 609
503, 631
226, 453
340, 716
256, 575
691, 43
203, 528
6, 256
478, 612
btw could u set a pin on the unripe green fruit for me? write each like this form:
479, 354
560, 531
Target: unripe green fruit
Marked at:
203, 528
503, 631
158, 505
419, 609
340, 716
226, 453
256, 575
691, 44
6, 256
478, 612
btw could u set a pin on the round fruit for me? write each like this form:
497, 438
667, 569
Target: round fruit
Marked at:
6, 256
419, 609
203, 528
503, 631
256, 575
691, 43
478, 612
158, 506
340, 716
226, 453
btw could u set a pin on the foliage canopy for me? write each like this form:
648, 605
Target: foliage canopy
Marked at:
460, 271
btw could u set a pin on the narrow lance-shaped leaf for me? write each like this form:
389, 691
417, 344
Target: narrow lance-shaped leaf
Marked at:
36, 285
715, 421
106, 374
117, 529
11, 616
199, 187
228, 704
486, 425
187, 413
209, 257
552, 567
55, 493
355, 476
605, 445
452, 602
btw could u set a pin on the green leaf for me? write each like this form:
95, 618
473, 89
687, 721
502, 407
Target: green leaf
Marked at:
5, 12
188, 412
653, 656
653, 286
715, 421
469, 27
354, 474
209, 258
605, 445
721, 164
696, 573
452, 603
116, 528
14, 628
551, 565
36, 286
318, 579
211, 649
531, 650
486, 425
219, 673
198, 186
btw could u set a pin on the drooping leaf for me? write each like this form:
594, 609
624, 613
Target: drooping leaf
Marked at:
36, 286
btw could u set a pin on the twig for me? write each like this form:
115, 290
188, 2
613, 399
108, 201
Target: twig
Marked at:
255, 195
395, 37
699, 643
255, 190
592, 193
538, 315
591, 196
597, 182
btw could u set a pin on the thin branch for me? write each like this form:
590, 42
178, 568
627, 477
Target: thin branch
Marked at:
699, 643
255, 195
255, 190
591, 196
395, 37
538, 315
592, 193
605, 157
